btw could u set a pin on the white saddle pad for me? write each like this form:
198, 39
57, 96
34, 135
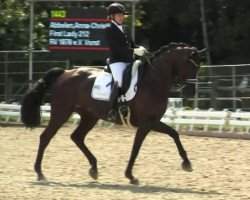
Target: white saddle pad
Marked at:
102, 86
101, 89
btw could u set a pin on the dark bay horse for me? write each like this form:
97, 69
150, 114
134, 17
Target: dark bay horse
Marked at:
71, 92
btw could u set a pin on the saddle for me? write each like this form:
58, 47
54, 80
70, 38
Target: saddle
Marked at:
127, 74
104, 82
106, 89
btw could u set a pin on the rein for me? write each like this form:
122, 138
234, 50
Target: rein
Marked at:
147, 58
192, 61
150, 64
192, 80
189, 80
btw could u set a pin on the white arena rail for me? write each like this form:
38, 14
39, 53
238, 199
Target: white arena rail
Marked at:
7, 111
196, 117
239, 119
195, 121
10, 113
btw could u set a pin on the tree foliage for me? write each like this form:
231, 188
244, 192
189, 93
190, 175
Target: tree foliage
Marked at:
158, 23
167, 21
13, 24
228, 26
229, 31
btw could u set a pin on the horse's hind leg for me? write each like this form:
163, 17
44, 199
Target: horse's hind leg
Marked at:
56, 121
87, 122
163, 128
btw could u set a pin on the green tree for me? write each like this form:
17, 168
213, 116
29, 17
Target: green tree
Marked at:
13, 24
158, 23
228, 26
229, 31
171, 21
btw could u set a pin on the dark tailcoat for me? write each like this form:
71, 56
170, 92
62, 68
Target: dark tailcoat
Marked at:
121, 44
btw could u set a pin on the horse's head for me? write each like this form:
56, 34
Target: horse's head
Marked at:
179, 61
185, 65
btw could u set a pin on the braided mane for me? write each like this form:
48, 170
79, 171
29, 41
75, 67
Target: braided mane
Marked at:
167, 48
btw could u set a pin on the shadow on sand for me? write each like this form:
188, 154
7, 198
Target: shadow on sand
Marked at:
122, 187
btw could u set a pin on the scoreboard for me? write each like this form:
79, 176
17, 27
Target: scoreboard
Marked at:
78, 33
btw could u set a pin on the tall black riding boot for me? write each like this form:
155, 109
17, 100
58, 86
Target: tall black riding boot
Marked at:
113, 99
111, 115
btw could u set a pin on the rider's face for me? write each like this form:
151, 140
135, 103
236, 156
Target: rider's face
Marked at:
119, 18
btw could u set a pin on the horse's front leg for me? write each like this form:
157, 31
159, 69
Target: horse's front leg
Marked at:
163, 128
139, 138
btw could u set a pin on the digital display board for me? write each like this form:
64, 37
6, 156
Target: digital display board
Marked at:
78, 33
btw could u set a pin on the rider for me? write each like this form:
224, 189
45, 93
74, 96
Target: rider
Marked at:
121, 45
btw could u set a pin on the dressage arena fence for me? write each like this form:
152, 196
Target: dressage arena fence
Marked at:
197, 122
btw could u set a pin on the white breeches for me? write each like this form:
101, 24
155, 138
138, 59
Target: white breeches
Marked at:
117, 70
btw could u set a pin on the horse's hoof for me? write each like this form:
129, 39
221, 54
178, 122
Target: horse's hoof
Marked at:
134, 181
93, 173
41, 177
187, 166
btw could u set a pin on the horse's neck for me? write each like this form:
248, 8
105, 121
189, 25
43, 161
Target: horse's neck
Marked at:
160, 77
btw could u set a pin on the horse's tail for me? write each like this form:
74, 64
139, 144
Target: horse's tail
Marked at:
30, 107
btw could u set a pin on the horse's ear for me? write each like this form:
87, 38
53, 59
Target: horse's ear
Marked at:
202, 53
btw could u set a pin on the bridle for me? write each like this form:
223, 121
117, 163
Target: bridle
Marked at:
181, 84
192, 80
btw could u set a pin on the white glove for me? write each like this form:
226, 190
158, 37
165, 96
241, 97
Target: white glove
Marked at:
140, 51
